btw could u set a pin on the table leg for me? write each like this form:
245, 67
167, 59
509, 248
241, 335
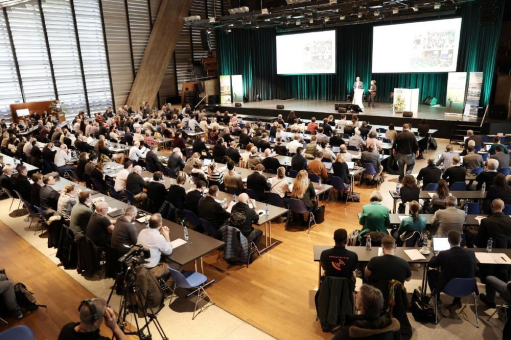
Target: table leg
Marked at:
424, 280
269, 244
395, 203
195, 262
319, 276
201, 265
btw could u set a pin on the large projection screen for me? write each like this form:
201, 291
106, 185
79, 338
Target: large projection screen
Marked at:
306, 53
429, 46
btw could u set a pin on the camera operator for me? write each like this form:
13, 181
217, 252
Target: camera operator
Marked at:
92, 313
156, 239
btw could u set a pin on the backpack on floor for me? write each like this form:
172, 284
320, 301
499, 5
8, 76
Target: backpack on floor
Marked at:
26, 298
433, 144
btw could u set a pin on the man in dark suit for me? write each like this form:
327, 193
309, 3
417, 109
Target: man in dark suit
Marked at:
429, 174
199, 146
456, 172
6, 180
454, 263
35, 190
48, 196
497, 226
219, 150
156, 191
270, 162
175, 162
244, 138
22, 184
193, 197
477, 139
336, 140
233, 153
210, 210
372, 157
257, 182
263, 142
501, 157
48, 153
299, 162
152, 159
489, 175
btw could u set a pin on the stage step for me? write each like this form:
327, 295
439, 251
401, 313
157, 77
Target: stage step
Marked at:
460, 130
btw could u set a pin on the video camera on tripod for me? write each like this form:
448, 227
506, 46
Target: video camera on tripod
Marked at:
137, 255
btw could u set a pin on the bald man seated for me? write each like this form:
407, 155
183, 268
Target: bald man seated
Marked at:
243, 216
100, 228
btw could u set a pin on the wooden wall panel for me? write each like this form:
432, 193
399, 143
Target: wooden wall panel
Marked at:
159, 50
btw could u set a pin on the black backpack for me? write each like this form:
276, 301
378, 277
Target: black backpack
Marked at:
433, 144
26, 298
421, 310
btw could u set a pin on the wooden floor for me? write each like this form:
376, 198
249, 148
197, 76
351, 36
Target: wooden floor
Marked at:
51, 286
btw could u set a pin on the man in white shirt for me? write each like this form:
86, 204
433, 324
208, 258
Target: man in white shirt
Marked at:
62, 157
135, 153
122, 176
193, 123
28, 146
187, 107
76, 127
156, 239
295, 144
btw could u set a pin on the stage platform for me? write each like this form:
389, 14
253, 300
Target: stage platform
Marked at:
381, 114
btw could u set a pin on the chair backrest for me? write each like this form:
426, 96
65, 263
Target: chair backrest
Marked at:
88, 181
458, 186
232, 190
460, 287
477, 171
74, 176
192, 218
97, 184
208, 227
485, 156
112, 191
504, 171
430, 187
293, 173
29, 207
314, 178
276, 200
473, 208
412, 240
20, 332
17, 194
507, 209
269, 171
130, 197
162, 169
369, 168
252, 194
297, 206
40, 211
352, 148
179, 279
337, 183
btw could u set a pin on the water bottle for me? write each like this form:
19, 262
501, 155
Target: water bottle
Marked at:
483, 188
466, 210
267, 210
185, 229
489, 246
398, 188
368, 243
319, 184
14, 160
234, 198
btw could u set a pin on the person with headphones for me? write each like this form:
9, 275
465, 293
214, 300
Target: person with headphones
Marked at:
92, 313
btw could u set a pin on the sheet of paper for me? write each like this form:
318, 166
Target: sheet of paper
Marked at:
141, 219
501, 258
479, 219
401, 217
380, 251
178, 242
493, 258
244, 179
229, 208
431, 194
414, 254
147, 179
486, 258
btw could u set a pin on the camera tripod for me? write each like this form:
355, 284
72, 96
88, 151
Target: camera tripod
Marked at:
129, 299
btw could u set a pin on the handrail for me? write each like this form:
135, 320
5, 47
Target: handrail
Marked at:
454, 129
201, 101
484, 116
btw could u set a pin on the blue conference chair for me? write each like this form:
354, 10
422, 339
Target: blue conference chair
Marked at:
484, 155
430, 187
210, 229
276, 200
473, 208
477, 171
314, 178
460, 287
458, 186
252, 194
338, 184
370, 170
412, 240
504, 171
293, 173
192, 218
191, 280
298, 207
507, 209
19, 332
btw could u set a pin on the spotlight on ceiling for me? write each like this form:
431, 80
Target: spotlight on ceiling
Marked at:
415, 8
298, 22
395, 11
192, 18
342, 17
437, 6
360, 15
376, 13
264, 11
238, 10
327, 19
257, 26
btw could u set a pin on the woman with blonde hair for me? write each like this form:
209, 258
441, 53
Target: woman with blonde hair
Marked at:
67, 200
279, 184
304, 190
340, 168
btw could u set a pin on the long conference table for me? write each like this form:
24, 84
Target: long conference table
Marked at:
365, 256
8, 160
197, 246
427, 195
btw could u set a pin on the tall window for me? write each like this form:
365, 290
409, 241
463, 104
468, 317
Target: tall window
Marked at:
140, 27
31, 51
92, 44
60, 29
10, 91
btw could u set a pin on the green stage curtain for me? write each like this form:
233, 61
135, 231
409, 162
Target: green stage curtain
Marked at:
252, 53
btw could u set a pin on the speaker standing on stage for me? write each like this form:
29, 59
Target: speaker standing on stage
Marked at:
372, 94
358, 92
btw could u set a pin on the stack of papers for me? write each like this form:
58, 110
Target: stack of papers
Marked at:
493, 258
178, 242
414, 254
402, 217
479, 219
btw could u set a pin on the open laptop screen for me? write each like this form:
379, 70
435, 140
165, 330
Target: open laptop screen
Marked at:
440, 243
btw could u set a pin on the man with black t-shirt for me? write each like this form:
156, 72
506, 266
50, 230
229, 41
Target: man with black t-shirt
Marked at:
338, 261
388, 266
99, 228
91, 318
